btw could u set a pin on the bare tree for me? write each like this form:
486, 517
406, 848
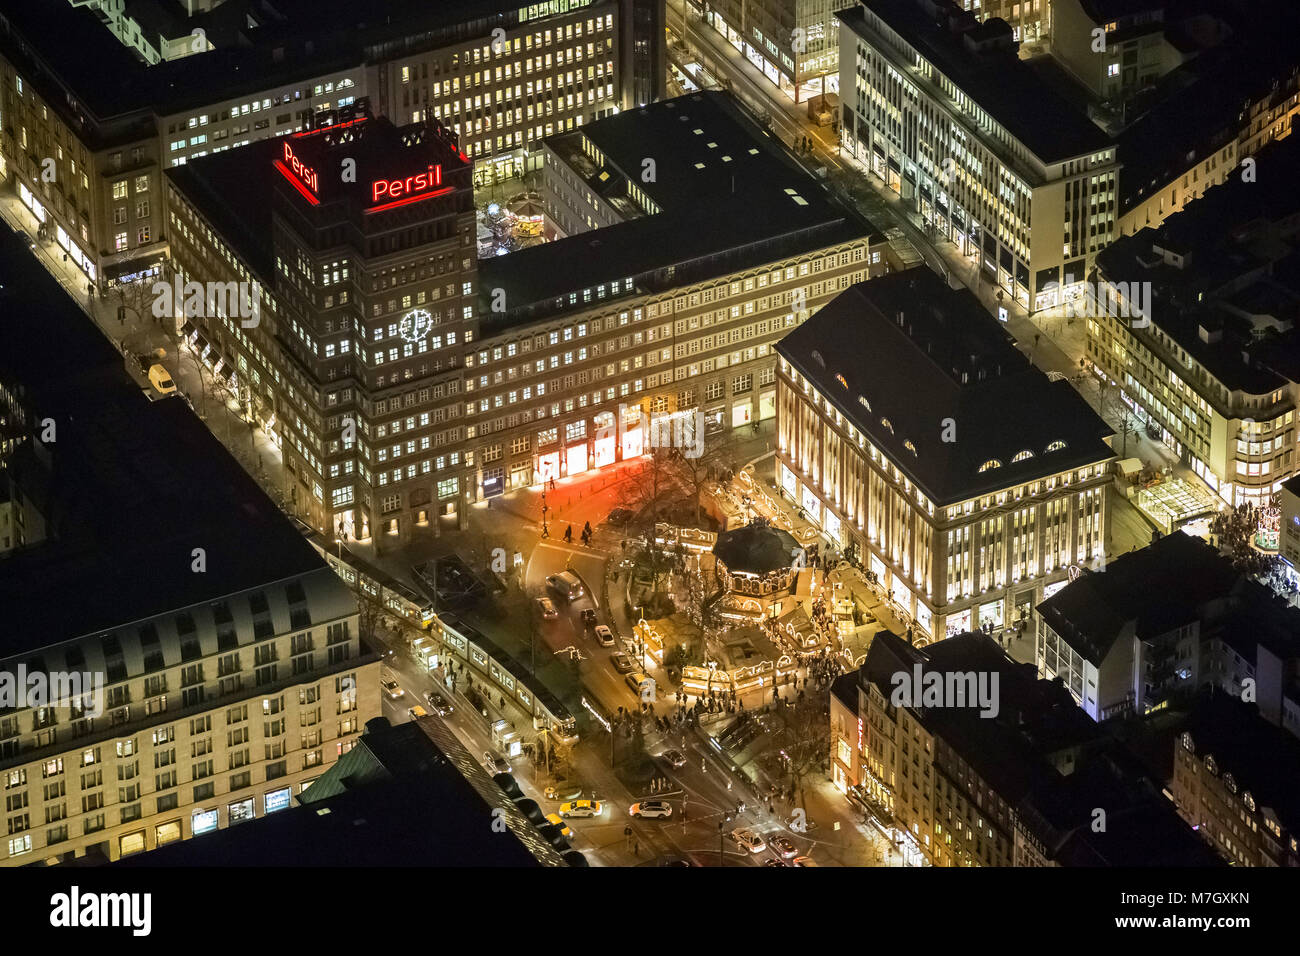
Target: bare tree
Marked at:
696, 472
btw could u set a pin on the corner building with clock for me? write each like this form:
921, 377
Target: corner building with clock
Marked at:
466, 380
361, 236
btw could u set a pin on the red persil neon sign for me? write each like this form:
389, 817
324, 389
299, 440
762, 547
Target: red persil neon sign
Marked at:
411, 185
305, 173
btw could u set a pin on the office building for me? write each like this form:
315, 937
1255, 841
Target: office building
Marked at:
1235, 781
468, 379
1211, 366
224, 664
1159, 624
941, 109
1019, 784
358, 813
923, 443
269, 70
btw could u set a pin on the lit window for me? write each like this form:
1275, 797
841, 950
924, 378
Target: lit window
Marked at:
991, 463
888, 424
1022, 455
1055, 446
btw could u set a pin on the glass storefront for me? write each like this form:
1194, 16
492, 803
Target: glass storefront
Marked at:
521, 476
831, 525
277, 800
131, 843
203, 821
924, 619
958, 623
166, 833
548, 466
241, 812
604, 450
741, 413
811, 504
789, 483
633, 443
575, 459
767, 405
991, 614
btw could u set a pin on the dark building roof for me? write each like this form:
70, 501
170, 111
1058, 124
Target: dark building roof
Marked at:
1004, 86
120, 479
1263, 759
1235, 293
731, 197
236, 190
406, 795
756, 548
920, 353
1045, 758
1160, 587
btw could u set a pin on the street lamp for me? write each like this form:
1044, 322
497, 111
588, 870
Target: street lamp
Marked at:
722, 830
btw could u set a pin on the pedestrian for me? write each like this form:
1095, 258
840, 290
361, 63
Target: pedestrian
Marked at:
636, 848
545, 531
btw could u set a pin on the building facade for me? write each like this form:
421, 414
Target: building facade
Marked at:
933, 106
539, 365
966, 505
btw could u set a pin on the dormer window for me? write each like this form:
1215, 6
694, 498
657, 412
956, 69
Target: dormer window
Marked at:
990, 464
1022, 455
817, 357
1054, 446
840, 379
910, 447
864, 403
887, 424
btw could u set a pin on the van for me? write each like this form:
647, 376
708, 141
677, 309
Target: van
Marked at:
567, 585
417, 712
160, 380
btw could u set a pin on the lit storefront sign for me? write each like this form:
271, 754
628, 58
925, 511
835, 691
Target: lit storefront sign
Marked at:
1050, 589
302, 177
203, 821
277, 800
401, 191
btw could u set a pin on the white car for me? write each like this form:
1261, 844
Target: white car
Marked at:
581, 808
604, 635
651, 809
748, 839
392, 689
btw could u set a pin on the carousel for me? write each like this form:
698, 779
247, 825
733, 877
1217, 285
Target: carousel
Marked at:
757, 565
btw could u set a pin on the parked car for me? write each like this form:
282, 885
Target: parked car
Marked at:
567, 585
675, 758
392, 689
604, 635
651, 809
417, 712
495, 763
547, 609
161, 380
783, 848
588, 618
581, 809
747, 839
803, 861
438, 703
772, 861
622, 663
619, 517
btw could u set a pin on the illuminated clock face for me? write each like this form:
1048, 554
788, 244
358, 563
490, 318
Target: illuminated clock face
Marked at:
416, 325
